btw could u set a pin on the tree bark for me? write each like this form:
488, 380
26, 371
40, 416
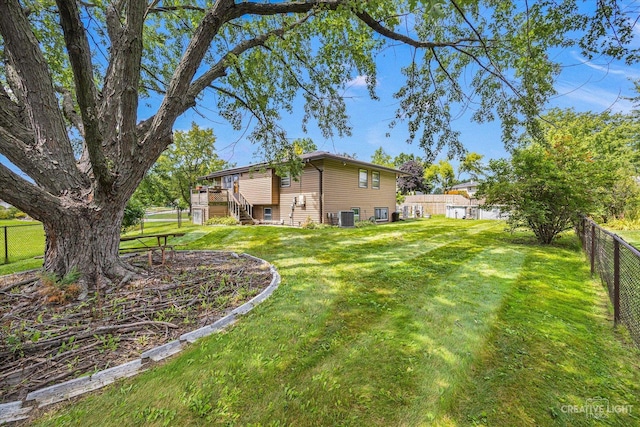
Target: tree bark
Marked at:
86, 239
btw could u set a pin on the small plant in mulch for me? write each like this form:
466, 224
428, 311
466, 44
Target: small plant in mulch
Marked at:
60, 290
48, 336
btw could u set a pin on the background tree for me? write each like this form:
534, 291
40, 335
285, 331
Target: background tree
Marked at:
414, 181
576, 169
403, 158
191, 155
613, 140
154, 190
471, 165
380, 157
69, 107
440, 175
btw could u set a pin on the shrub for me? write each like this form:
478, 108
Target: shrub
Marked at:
133, 214
222, 220
308, 223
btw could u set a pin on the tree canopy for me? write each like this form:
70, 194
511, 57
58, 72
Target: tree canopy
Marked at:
440, 175
414, 180
583, 165
76, 79
191, 156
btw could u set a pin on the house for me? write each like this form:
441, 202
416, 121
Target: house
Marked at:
329, 189
471, 187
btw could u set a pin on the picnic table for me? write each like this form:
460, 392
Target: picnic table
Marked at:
160, 243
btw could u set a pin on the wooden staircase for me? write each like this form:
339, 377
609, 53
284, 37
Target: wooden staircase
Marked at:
241, 209
244, 217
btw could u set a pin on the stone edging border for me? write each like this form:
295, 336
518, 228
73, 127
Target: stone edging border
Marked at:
19, 410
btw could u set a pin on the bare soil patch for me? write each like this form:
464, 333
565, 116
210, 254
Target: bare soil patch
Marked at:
44, 343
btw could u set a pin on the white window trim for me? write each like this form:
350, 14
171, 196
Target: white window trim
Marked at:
366, 184
373, 181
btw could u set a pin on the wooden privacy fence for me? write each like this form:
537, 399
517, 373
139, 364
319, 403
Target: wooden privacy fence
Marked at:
618, 265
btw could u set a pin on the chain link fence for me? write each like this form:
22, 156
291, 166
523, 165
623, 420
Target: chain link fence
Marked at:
18, 242
618, 265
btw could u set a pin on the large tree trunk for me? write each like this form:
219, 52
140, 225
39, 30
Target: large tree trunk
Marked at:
86, 239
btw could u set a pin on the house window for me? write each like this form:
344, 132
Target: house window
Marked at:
382, 214
363, 178
268, 214
356, 214
227, 181
375, 180
285, 181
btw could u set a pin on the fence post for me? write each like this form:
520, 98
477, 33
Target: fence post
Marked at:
616, 281
593, 249
6, 246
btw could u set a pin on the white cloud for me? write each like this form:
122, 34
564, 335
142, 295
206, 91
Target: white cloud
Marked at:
591, 98
360, 81
609, 68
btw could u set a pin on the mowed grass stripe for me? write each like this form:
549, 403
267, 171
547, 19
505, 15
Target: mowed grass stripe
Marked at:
551, 349
414, 323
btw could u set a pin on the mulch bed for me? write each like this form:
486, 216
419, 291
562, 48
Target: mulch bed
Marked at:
43, 342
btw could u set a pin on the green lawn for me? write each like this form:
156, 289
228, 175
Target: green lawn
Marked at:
24, 241
167, 216
630, 236
429, 322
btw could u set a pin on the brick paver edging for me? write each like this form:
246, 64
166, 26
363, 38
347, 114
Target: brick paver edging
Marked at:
19, 410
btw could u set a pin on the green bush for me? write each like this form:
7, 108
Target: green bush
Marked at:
222, 220
133, 214
365, 223
11, 213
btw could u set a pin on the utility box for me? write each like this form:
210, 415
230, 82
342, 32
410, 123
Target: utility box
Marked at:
346, 219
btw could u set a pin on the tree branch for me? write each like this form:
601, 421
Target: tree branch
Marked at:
23, 53
173, 103
268, 9
219, 69
26, 196
383, 31
235, 96
69, 109
86, 92
120, 92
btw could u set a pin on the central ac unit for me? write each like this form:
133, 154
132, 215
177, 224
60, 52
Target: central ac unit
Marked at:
346, 219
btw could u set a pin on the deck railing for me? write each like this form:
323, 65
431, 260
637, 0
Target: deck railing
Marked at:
237, 203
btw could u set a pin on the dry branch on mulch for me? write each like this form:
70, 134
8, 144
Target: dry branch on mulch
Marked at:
43, 344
